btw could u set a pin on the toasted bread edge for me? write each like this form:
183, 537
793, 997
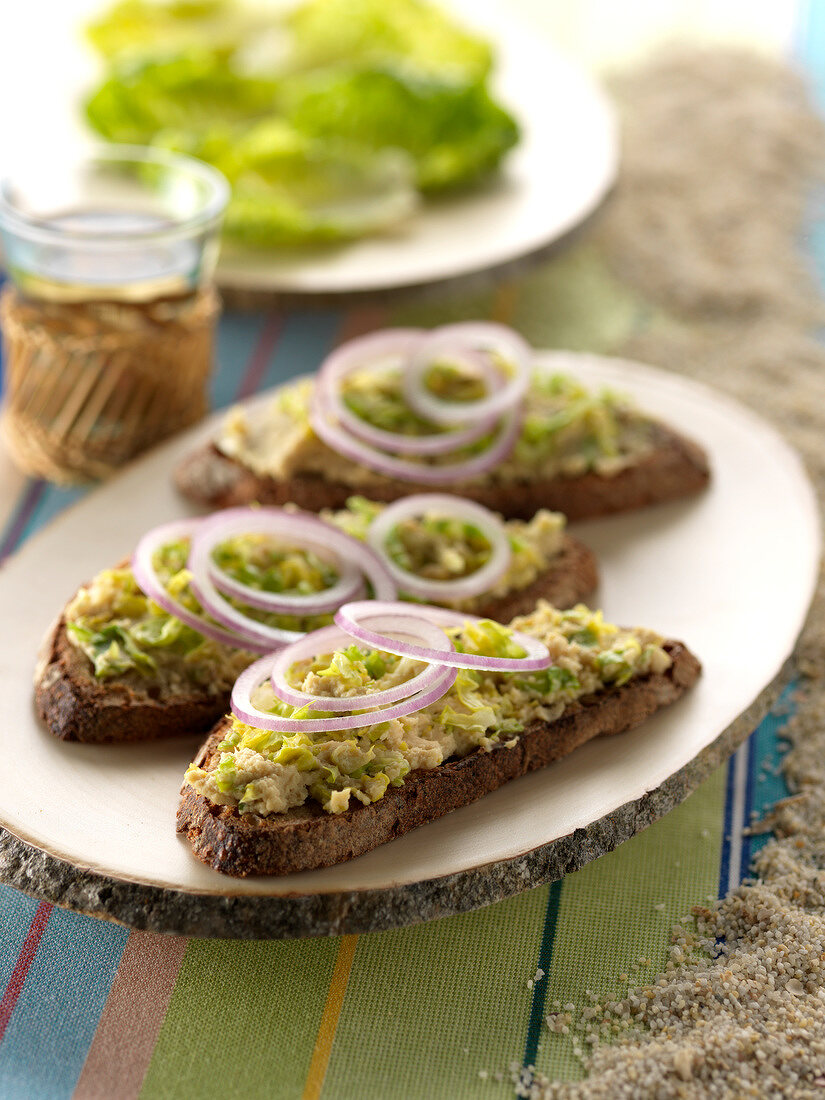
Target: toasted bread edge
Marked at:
306, 838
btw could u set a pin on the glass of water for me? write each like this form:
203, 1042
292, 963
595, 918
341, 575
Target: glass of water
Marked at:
109, 315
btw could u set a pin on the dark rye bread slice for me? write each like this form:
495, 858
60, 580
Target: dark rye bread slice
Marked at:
77, 707
306, 838
676, 467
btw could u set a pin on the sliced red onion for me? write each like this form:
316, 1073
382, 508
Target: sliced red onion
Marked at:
453, 341
379, 350
326, 640
254, 520
323, 422
457, 588
150, 584
285, 526
414, 352
369, 620
259, 672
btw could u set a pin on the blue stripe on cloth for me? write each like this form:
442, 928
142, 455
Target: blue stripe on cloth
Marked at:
548, 936
770, 785
305, 341
238, 336
739, 798
747, 815
59, 1006
727, 829
51, 503
16, 914
17, 523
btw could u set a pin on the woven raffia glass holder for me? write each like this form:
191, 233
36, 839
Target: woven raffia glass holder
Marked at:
90, 385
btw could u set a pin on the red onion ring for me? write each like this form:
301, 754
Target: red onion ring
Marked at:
262, 519
454, 340
397, 345
278, 523
377, 449
335, 437
383, 615
257, 673
149, 583
327, 639
457, 588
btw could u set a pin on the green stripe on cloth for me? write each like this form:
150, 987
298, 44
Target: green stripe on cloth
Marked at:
275, 995
609, 922
427, 1007
545, 962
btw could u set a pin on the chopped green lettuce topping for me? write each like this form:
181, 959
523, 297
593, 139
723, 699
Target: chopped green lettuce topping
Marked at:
486, 638
111, 649
438, 547
259, 562
567, 428
351, 671
443, 547
122, 631
377, 397
480, 711
550, 681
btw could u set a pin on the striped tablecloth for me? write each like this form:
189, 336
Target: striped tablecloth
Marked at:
93, 1010
441, 1010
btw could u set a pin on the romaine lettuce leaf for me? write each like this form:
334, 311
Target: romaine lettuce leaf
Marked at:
137, 28
193, 92
326, 32
288, 189
453, 130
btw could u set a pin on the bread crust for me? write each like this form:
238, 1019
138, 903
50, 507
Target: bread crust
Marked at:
676, 467
77, 707
306, 838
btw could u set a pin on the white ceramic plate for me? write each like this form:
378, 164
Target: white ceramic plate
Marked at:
557, 175
731, 573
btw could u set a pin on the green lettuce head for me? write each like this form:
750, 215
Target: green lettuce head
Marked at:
453, 130
416, 33
289, 189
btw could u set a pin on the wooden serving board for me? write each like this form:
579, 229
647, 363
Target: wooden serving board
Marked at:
731, 573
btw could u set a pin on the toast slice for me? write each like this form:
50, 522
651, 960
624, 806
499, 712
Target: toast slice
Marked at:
75, 706
306, 837
674, 467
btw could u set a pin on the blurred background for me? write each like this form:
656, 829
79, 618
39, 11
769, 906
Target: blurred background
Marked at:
45, 64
